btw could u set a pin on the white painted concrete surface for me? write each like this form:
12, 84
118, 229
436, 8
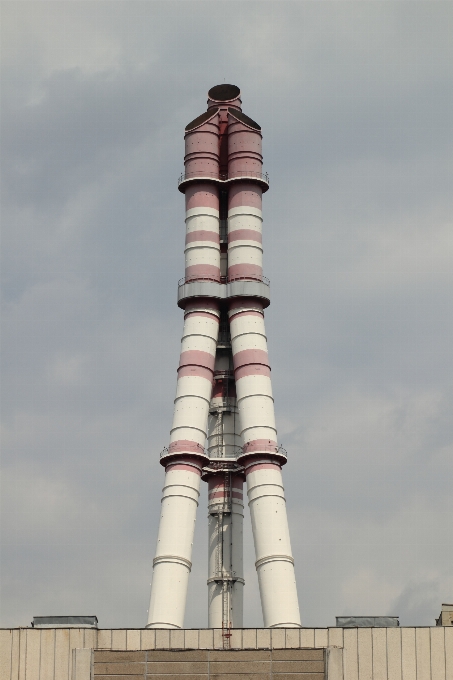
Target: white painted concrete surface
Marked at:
274, 561
173, 560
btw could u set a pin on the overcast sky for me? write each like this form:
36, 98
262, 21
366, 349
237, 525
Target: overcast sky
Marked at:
355, 102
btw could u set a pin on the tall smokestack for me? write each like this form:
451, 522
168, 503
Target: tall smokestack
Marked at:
224, 393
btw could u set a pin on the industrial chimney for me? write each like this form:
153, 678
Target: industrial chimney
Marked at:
223, 425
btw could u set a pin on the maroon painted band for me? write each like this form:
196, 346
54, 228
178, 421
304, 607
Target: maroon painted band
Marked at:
195, 372
195, 357
252, 369
244, 235
202, 235
250, 356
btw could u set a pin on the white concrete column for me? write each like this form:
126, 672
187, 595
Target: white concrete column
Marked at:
252, 375
172, 563
183, 462
274, 560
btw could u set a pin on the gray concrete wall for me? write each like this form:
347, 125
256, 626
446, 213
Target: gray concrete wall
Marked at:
367, 653
276, 664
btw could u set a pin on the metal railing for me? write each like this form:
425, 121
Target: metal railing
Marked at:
238, 451
227, 405
224, 176
261, 279
192, 279
282, 451
223, 279
223, 375
267, 448
195, 449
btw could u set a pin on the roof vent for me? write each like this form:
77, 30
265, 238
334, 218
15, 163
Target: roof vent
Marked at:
367, 621
65, 622
446, 616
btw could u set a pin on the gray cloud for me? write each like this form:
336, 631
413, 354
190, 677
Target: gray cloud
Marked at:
356, 109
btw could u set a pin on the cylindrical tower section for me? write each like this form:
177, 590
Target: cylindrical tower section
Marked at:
274, 561
202, 249
245, 160
245, 250
252, 374
224, 96
225, 479
183, 461
195, 375
244, 145
261, 459
225, 579
224, 437
202, 146
173, 560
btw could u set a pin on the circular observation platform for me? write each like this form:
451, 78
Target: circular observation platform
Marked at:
207, 288
276, 452
186, 179
197, 454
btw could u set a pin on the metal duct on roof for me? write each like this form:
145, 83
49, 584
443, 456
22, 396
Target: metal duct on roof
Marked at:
367, 621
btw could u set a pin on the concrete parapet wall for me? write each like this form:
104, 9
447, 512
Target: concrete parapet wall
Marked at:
352, 653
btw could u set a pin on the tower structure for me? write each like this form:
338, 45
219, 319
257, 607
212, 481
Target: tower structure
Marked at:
223, 425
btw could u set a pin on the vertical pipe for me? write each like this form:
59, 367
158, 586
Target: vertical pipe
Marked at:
245, 252
224, 438
225, 480
225, 563
261, 460
202, 146
184, 460
253, 376
274, 561
244, 145
202, 250
195, 374
173, 560
186, 455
